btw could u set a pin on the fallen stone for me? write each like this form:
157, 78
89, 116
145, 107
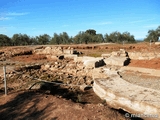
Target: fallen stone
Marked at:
118, 61
83, 87
68, 51
94, 63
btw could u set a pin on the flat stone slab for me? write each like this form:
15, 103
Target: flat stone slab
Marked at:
152, 72
118, 61
120, 94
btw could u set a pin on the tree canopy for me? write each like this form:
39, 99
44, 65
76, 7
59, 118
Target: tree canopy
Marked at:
85, 37
5, 40
21, 39
153, 35
117, 37
43, 39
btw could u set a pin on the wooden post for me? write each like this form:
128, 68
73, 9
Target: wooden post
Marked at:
5, 82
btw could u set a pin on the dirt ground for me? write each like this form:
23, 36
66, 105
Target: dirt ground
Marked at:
152, 64
31, 105
41, 105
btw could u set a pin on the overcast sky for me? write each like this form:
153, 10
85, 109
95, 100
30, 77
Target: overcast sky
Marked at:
35, 17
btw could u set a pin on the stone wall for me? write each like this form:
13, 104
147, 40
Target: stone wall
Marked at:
143, 56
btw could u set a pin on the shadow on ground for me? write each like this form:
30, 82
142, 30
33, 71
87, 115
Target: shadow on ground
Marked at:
24, 106
38, 104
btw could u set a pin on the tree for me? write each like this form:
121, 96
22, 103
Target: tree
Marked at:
126, 36
20, 39
33, 41
55, 39
43, 39
4, 40
114, 37
98, 38
25, 38
86, 38
78, 38
106, 38
64, 38
16, 39
153, 35
91, 32
117, 37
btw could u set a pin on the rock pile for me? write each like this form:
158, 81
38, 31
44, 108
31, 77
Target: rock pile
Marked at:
54, 53
53, 50
49, 50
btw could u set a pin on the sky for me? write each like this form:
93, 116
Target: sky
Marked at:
36, 17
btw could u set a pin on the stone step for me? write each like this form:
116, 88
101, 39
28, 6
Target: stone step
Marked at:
120, 94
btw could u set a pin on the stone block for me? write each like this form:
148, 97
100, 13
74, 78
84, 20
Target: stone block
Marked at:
70, 56
117, 61
68, 51
93, 63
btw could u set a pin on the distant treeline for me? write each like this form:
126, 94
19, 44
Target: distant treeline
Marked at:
88, 36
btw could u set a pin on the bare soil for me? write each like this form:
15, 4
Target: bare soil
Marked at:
152, 64
42, 106
38, 104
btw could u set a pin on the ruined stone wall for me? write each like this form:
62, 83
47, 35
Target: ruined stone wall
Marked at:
143, 56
